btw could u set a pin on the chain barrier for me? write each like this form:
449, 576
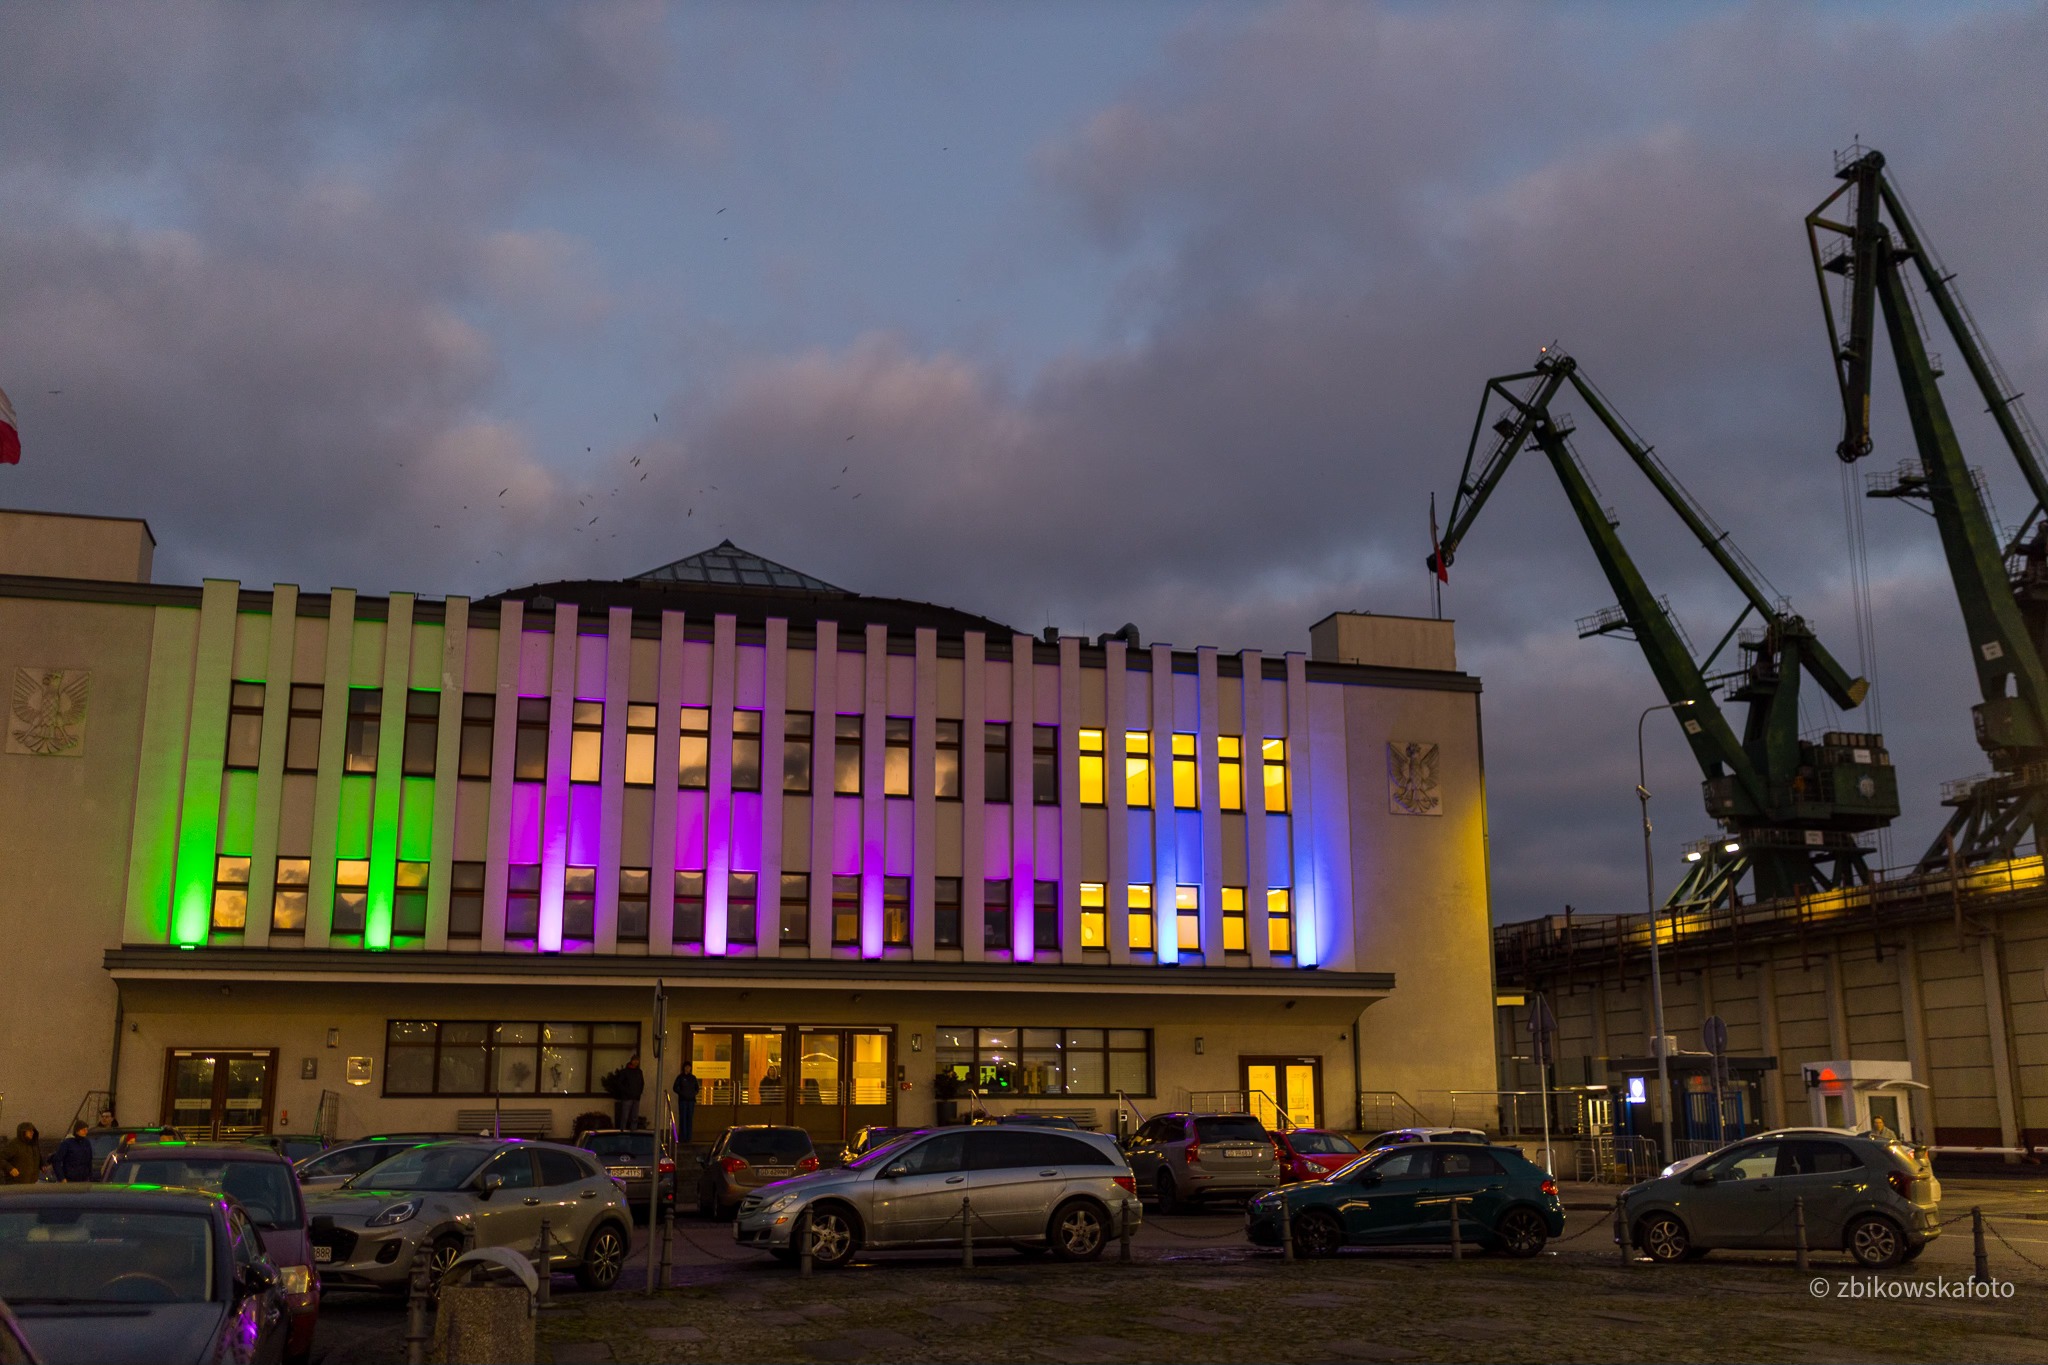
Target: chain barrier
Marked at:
1194, 1236
1993, 1229
714, 1252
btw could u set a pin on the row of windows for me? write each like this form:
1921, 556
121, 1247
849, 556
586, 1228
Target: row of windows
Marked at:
474, 1057
693, 757
793, 920
1084, 1062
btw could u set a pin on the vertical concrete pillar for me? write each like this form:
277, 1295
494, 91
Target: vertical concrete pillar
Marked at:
618, 676
1301, 822
1070, 798
973, 797
1116, 893
873, 817
824, 808
1211, 800
1253, 689
277, 699
1913, 1013
504, 744
386, 782
206, 735
2002, 1079
341, 631
1767, 1017
554, 820
774, 717
447, 765
661, 861
1165, 821
1023, 814
924, 689
718, 799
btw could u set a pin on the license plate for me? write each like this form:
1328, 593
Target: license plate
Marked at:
1248, 1150
773, 1170
630, 1172
322, 1255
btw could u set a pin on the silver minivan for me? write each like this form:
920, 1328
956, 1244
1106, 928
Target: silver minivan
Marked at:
1025, 1187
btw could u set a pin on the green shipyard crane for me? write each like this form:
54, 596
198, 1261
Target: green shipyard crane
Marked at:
1875, 246
1790, 809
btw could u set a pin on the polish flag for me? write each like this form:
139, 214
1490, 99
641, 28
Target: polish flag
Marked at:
10, 432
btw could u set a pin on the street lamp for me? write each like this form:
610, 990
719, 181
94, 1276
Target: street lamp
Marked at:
1656, 971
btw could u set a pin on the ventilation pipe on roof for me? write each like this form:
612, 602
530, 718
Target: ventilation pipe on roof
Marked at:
1127, 632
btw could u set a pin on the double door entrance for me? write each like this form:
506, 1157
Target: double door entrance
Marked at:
1283, 1092
831, 1082
212, 1093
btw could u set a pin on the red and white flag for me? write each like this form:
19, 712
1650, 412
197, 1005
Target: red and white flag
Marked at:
10, 432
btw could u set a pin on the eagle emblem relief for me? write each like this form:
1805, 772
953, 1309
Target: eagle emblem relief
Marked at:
47, 713
1412, 779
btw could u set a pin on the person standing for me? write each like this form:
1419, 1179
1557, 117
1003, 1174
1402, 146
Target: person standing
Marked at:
687, 1088
632, 1085
21, 1160
72, 1161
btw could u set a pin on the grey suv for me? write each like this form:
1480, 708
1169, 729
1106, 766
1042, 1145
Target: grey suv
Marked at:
1025, 1187
1872, 1198
1179, 1159
496, 1192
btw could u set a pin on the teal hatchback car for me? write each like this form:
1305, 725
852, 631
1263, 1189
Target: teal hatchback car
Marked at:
1405, 1195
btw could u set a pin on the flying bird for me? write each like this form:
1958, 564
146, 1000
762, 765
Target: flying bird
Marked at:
716, 214
503, 491
657, 417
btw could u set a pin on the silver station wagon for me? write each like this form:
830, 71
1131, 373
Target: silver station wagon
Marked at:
1024, 1187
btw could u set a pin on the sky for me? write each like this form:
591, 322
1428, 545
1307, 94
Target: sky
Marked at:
1063, 313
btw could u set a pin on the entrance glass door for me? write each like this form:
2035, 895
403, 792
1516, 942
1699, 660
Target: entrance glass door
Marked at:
1283, 1092
829, 1081
764, 1088
821, 1090
218, 1094
711, 1064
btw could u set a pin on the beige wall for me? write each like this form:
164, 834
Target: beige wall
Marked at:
115, 549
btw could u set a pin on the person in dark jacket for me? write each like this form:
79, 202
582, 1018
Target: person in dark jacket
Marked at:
687, 1089
22, 1159
72, 1160
632, 1085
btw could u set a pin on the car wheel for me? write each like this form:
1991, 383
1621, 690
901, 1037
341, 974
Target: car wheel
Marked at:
1079, 1230
834, 1237
1169, 1195
1875, 1243
1522, 1232
1317, 1234
441, 1255
1664, 1237
604, 1256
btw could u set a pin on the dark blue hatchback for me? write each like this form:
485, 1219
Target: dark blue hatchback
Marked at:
1405, 1196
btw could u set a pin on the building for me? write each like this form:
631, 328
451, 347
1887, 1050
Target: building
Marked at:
281, 859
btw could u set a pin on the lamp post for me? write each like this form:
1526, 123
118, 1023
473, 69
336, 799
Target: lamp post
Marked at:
1656, 971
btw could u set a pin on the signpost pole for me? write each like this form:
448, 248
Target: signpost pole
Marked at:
1542, 1027
655, 1128
1714, 1032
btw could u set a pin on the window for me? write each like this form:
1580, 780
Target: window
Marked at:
845, 910
896, 912
946, 760
579, 903
1140, 918
1280, 920
466, 1057
746, 752
1816, 1158
365, 710
557, 1167
422, 731
945, 912
640, 743
1088, 1062
1187, 789
846, 755
896, 756
530, 746
351, 895
1275, 753
1094, 916
995, 761
1045, 765
1187, 906
231, 894
1045, 916
634, 894
1138, 770
796, 905
1465, 1165
995, 915
1233, 920
1758, 1161
522, 900
288, 901
245, 724
409, 899
586, 741
302, 729
466, 899
742, 894
693, 757
689, 907
1229, 772
796, 751
1091, 767
479, 717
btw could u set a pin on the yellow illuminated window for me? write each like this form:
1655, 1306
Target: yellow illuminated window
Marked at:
231, 893
1187, 905
1138, 769
586, 741
351, 895
640, 744
1140, 918
693, 754
1280, 920
1187, 792
1094, 917
1233, 919
1091, 768
1275, 752
1230, 772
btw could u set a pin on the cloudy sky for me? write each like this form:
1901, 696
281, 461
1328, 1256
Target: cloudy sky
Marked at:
1065, 313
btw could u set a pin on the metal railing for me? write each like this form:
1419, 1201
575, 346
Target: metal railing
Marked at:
1379, 1110
1615, 1159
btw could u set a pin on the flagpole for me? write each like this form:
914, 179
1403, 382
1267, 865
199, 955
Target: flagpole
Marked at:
1436, 578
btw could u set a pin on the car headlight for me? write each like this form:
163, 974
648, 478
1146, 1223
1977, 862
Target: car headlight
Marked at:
778, 1205
394, 1215
296, 1279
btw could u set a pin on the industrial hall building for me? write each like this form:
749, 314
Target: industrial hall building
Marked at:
282, 861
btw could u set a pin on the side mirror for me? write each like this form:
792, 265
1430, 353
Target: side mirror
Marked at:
489, 1186
896, 1172
1697, 1177
254, 1279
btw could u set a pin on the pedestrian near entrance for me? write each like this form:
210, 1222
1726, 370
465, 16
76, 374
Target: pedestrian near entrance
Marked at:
626, 1086
22, 1159
72, 1160
687, 1086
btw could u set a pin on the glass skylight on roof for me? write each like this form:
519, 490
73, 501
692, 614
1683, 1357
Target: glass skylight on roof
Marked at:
727, 563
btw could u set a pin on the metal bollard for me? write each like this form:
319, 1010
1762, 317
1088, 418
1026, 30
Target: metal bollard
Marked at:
1621, 1234
1457, 1237
1286, 1232
1123, 1233
966, 1234
1799, 1231
668, 1246
1981, 1272
416, 1334
547, 1264
805, 1257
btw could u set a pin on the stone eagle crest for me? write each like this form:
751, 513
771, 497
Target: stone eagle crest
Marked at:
47, 716
1412, 779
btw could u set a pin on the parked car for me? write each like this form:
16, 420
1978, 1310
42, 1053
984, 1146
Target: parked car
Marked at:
338, 1165
261, 1181
1181, 1159
291, 1146
1875, 1199
1033, 1188
629, 1157
106, 1275
1034, 1121
746, 1158
1395, 1137
1403, 1195
869, 1138
1313, 1153
107, 1141
496, 1191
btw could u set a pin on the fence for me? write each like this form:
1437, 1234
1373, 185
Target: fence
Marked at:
1615, 1159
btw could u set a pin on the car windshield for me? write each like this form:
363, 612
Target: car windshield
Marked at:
877, 1156
424, 1168
265, 1189
637, 1145
65, 1254
1312, 1143
1231, 1128
349, 1160
772, 1145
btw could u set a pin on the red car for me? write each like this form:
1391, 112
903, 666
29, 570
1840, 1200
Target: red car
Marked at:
1312, 1153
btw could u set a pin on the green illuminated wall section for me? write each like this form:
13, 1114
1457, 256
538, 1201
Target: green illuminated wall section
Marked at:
205, 753
238, 814
416, 821
352, 829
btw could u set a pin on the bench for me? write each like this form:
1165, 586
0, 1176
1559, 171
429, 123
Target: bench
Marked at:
526, 1123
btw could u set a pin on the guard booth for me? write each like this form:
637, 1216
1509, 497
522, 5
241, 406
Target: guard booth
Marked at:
1858, 1094
1698, 1124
